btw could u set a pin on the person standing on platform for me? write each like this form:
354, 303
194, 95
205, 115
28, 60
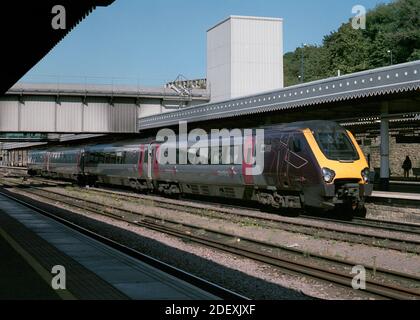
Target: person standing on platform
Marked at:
407, 166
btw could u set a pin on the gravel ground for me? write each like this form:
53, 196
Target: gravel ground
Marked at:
360, 254
245, 276
258, 215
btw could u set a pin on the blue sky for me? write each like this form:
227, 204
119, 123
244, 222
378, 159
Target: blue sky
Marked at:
150, 42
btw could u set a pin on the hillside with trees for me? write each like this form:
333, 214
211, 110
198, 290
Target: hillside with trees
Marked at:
393, 26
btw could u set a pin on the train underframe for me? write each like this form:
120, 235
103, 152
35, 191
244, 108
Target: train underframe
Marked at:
347, 198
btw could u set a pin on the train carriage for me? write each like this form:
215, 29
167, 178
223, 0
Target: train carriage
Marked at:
116, 164
64, 163
313, 164
306, 164
37, 162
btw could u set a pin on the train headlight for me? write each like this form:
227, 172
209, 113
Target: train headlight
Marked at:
365, 175
328, 175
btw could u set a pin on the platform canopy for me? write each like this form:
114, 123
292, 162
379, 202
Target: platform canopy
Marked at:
347, 98
27, 34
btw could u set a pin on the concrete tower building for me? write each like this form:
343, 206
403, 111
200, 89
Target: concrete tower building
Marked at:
244, 56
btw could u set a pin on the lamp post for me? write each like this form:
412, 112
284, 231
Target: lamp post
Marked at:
390, 52
302, 67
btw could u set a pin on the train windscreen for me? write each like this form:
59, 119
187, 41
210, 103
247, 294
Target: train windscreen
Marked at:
336, 145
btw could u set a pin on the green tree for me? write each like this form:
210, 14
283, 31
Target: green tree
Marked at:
393, 27
347, 50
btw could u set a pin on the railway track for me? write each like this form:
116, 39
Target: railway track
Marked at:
410, 228
203, 284
390, 241
380, 283
251, 212
305, 224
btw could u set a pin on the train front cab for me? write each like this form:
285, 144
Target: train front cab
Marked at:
344, 172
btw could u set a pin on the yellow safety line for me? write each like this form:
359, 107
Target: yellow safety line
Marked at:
45, 274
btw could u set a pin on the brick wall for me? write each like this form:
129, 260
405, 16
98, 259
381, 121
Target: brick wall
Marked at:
397, 154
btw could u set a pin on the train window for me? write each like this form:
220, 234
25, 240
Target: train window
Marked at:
214, 155
94, 158
284, 138
204, 154
192, 155
249, 153
225, 155
336, 145
131, 157
180, 156
236, 154
112, 158
295, 144
119, 157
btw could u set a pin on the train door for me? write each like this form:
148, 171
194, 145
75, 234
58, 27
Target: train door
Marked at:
47, 161
152, 162
296, 161
149, 163
282, 161
248, 160
81, 161
140, 162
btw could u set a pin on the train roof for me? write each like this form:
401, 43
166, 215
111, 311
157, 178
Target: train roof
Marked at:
314, 125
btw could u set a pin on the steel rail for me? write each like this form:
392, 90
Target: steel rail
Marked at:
376, 287
203, 284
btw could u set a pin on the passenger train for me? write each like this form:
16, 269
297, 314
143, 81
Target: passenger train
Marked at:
311, 164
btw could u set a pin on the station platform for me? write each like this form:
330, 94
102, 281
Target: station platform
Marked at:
31, 244
396, 195
19, 280
398, 187
397, 198
405, 182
